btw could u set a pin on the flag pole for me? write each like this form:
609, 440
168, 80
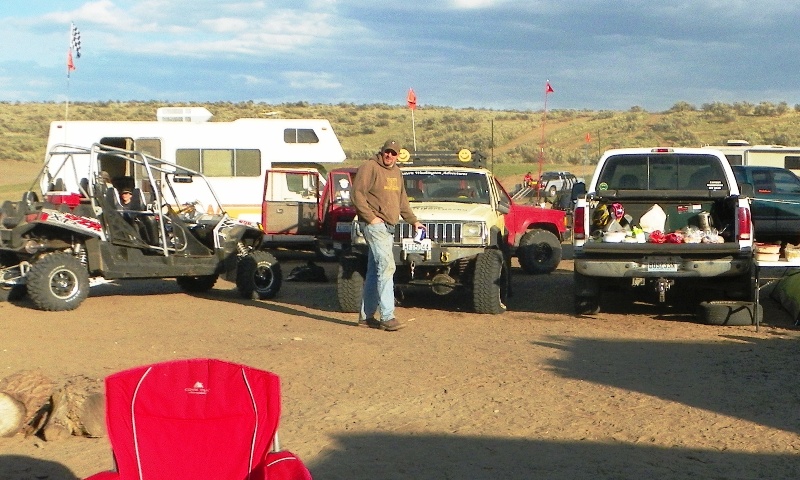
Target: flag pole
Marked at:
414, 130
547, 89
411, 99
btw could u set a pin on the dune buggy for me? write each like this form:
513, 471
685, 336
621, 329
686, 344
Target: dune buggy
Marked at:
53, 244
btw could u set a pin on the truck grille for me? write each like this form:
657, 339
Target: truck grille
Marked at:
439, 232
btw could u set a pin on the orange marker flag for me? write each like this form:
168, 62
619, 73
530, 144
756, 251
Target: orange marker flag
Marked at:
411, 99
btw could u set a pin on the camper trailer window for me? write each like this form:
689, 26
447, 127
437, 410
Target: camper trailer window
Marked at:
247, 163
217, 163
188, 158
791, 162
300, 135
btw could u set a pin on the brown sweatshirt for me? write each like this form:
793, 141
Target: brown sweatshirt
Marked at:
378, 191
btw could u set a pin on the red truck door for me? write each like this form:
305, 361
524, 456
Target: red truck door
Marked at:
291, 202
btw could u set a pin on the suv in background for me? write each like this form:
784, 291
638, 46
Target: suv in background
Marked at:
776, 202
550, 183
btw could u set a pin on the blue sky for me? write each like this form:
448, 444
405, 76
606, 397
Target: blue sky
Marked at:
494, 54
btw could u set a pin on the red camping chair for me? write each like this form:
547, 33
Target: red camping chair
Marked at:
196, 419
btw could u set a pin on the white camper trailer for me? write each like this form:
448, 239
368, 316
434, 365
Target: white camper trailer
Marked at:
233, 155
740, 152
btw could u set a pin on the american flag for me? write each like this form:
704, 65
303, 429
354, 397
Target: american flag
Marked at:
75, 41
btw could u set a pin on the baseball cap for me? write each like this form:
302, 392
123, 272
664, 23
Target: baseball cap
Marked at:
126, 190
391, 145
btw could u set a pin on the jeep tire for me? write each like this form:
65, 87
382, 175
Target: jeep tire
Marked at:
539, 252
350, 282
58, 282
258, 276
490, 283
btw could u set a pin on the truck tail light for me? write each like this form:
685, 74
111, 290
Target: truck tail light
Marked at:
745, 223
579, 229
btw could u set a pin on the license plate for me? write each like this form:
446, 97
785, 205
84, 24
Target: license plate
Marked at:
344, 227
662, 267
409, 245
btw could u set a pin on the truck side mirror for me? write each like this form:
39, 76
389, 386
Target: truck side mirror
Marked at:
578, 190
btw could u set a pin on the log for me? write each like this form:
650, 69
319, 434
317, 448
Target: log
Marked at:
12, 415
78, 409
33, 389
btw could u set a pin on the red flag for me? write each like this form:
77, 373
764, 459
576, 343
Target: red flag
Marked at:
70, 64
548, 88
411, 99
588, 138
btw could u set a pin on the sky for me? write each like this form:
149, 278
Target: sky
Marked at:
483, 54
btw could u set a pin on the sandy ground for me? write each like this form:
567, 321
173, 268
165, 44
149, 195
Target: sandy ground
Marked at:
641, 392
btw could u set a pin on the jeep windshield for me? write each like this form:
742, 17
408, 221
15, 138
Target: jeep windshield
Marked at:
662, 171
446, 186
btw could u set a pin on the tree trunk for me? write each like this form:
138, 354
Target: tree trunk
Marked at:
12, 415
33, 389
78, 409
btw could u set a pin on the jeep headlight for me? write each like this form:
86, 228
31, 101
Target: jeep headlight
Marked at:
472, 233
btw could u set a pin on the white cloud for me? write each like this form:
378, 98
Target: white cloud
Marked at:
310, 80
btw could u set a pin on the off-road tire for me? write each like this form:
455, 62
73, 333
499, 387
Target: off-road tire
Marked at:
350, 282
490, 283
735, 314
58, 282
587, 296
197, 284
258, 276
539, 252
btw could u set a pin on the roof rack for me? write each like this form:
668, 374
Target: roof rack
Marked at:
441, 158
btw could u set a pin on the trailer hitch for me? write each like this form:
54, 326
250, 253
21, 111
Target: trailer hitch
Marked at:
662, 285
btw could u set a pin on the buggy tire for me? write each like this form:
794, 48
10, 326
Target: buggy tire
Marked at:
539, 252
728, 313
490, 283
58, 282
350, 282
197, 284
258, 276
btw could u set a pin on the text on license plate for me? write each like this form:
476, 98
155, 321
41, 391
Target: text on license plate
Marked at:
344, 227
409, 245
662, 267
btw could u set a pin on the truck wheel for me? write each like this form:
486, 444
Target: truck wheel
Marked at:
539, 252
730, 313
350, 282
587, 295
258, 276
490, 285
58, 282
197, 284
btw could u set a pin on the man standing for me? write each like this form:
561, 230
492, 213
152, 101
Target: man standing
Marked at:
379, 197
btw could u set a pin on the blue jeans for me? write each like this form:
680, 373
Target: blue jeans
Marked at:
378, 291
